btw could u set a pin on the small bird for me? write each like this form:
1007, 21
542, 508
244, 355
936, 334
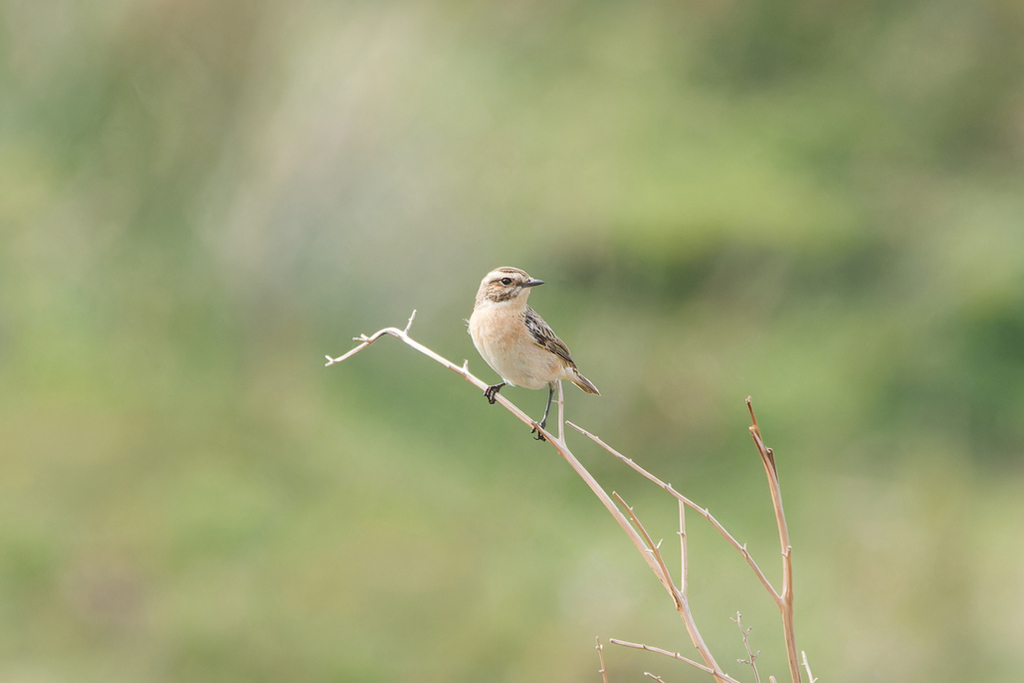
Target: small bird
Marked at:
516, 342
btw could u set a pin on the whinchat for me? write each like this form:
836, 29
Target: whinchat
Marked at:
516, 342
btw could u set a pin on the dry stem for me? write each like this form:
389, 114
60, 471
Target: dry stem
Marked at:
600, 656
783, 600
673, 655
810, 676
751, 659
684, 569
703, 512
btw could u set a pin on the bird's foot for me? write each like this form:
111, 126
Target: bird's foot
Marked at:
537, 426
491, 392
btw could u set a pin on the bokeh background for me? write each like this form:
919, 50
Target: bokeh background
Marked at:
816, 203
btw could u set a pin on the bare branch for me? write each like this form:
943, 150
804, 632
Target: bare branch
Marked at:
642, 540
676, 656
600, 656
703, 512
751, 659
784, 600
462, 370
682, 604
561, 414
684, 571
807, 666
664, 575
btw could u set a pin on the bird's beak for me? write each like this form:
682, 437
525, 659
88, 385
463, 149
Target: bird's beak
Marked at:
533, 283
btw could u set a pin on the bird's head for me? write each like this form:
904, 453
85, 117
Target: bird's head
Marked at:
505, 284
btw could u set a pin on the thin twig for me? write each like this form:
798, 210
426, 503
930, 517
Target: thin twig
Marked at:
751, 659
600, 656
684, 570
657, 678
673, 655
784, 599
807, 666
664, 575
462, 370
682, 604
561, 415
703, 512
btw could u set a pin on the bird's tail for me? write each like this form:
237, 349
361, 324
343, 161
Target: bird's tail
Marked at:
584, 383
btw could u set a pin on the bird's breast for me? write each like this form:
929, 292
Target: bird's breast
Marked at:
503, 340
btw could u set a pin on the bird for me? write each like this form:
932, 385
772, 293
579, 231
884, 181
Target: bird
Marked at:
516, 342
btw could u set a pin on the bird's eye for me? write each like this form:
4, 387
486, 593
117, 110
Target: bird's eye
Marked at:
506, 281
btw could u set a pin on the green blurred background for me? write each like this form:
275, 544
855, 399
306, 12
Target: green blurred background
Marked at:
816, 203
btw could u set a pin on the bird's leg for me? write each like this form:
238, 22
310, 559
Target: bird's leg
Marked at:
544, 420
492, 391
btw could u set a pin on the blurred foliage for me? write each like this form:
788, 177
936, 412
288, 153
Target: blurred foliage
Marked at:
816, 203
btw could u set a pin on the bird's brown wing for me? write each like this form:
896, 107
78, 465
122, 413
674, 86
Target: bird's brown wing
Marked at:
545, 336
